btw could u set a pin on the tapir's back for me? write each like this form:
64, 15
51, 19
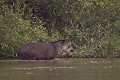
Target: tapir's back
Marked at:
35, 50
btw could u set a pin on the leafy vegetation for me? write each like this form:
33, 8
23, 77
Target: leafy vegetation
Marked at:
93, 26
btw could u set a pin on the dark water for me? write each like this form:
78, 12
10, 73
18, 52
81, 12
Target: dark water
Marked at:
61, 69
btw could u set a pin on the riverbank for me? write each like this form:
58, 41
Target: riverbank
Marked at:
4, 57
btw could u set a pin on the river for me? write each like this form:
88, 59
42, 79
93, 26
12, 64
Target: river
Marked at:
61, 69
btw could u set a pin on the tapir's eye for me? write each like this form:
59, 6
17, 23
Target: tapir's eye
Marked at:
68, 46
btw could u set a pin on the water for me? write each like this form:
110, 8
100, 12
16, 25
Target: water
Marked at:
61, 69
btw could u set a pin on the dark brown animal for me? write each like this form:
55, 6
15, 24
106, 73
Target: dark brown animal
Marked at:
43, 51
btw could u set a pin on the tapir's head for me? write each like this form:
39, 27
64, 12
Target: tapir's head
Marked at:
64, 46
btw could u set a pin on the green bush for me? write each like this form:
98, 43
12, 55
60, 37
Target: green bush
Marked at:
15, 31
93, 26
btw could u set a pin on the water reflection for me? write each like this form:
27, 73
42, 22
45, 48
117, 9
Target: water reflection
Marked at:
41, 68
60, 69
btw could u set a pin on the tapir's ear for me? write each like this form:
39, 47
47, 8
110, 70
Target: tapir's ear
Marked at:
62, 41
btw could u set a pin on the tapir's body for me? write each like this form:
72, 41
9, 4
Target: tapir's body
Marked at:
43, 51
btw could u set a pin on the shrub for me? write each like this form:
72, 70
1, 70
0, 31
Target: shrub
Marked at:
93, 26
15, 31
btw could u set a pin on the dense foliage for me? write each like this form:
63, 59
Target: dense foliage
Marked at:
93, 26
